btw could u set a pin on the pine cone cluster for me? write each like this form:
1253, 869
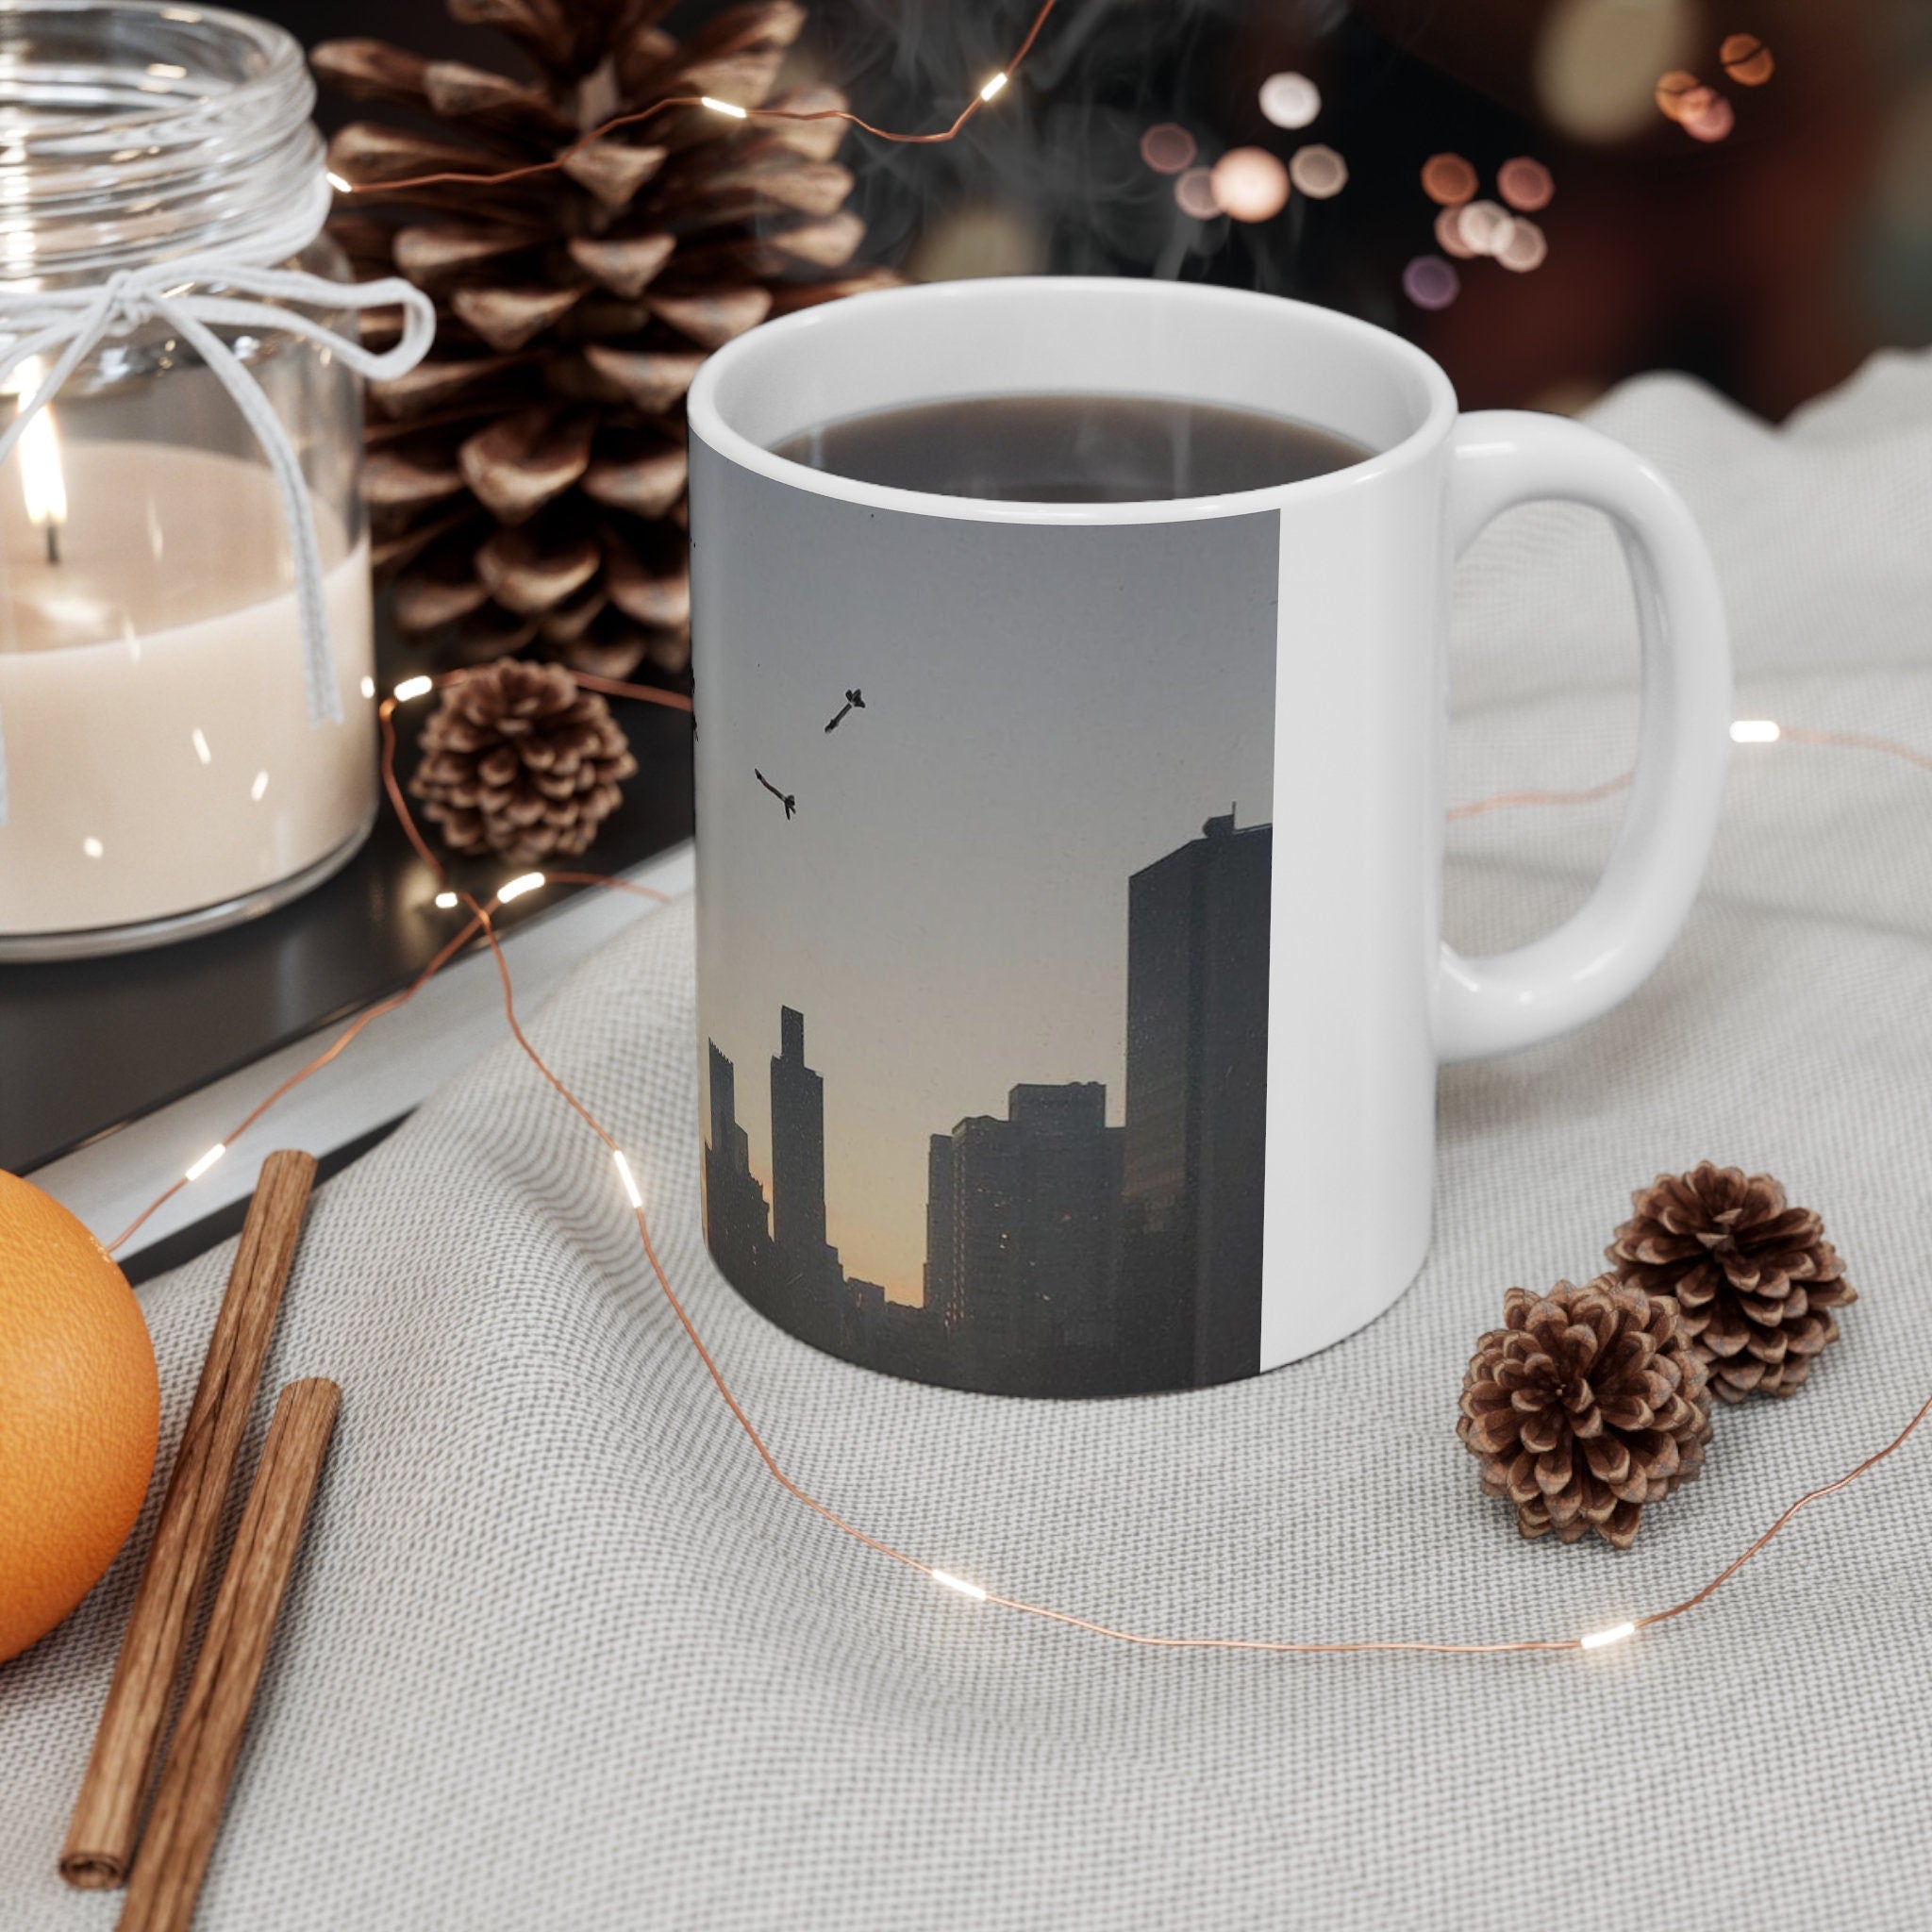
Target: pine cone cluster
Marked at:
526, 481
1754, 1277
1587, 1404
518, 761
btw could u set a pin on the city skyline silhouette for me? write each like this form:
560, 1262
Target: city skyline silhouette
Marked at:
1063, 1255
948, 906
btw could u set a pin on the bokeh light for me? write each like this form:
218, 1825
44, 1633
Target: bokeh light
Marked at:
1448, 179
1675, 89
1525, 247
1449, 234
1290, 100
1485, 227
1430, 282
1194, 192
1524, 184
1747, 59
1597, 61
1317, 171
1693, 104
1713, 119
1249, 184
1167, 148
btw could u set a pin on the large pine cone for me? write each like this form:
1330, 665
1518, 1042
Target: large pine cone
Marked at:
1756, 1279
518, 761
526, 481
1585, 1405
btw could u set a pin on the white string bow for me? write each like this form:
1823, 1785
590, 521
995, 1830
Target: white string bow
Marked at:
68, 323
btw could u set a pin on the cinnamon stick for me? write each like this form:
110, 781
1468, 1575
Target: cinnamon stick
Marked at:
107, 1815
180, 1836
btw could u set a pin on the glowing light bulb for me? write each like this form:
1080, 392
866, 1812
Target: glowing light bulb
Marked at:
1756, 731
367, 687
629, 1179
445, 900
206, 1160
1615, 1634
93, 847
947, 1580
718, 107
516, 887
992, 86
337, 182
413, 687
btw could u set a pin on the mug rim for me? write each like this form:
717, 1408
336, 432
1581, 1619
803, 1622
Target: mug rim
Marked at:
707, 419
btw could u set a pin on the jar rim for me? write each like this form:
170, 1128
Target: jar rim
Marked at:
133, 130
282, 68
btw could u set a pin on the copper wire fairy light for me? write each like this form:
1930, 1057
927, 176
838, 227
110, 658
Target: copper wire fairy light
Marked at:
987, 90
1450, 181
482, 922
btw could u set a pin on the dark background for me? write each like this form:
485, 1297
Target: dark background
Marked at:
1769, 263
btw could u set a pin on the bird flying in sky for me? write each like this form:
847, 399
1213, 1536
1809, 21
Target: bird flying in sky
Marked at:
784, 798
853, 703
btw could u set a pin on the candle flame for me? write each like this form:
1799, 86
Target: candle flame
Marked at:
43, 482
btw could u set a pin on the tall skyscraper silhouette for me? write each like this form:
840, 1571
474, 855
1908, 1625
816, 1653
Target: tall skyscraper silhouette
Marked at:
798, 1141
1069, 1163
942, 1303
735, 1224
1022, 1236
806, 1265
1197, 1102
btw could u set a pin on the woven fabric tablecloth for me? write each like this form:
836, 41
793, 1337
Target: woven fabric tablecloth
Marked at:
559, 1654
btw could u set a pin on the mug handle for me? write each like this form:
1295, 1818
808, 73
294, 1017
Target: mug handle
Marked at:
1501, 458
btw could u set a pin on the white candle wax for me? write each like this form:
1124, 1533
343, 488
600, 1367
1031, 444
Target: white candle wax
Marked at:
161, 758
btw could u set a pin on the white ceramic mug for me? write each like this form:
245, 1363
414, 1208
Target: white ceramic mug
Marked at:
1097, 950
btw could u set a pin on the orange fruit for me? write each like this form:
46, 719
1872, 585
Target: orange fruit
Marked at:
80, 1411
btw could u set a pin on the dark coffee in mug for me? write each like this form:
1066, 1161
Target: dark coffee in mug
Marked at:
1073, 449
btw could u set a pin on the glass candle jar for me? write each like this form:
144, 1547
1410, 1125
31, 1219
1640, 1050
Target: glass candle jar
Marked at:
166, 773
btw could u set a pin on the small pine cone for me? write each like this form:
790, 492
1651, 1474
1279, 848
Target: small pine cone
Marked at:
1756, 1279
518, 761
1585, 1405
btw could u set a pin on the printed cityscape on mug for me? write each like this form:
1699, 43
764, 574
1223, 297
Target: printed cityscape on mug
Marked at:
983, 929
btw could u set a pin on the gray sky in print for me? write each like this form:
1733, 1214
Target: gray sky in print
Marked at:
1047, 711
